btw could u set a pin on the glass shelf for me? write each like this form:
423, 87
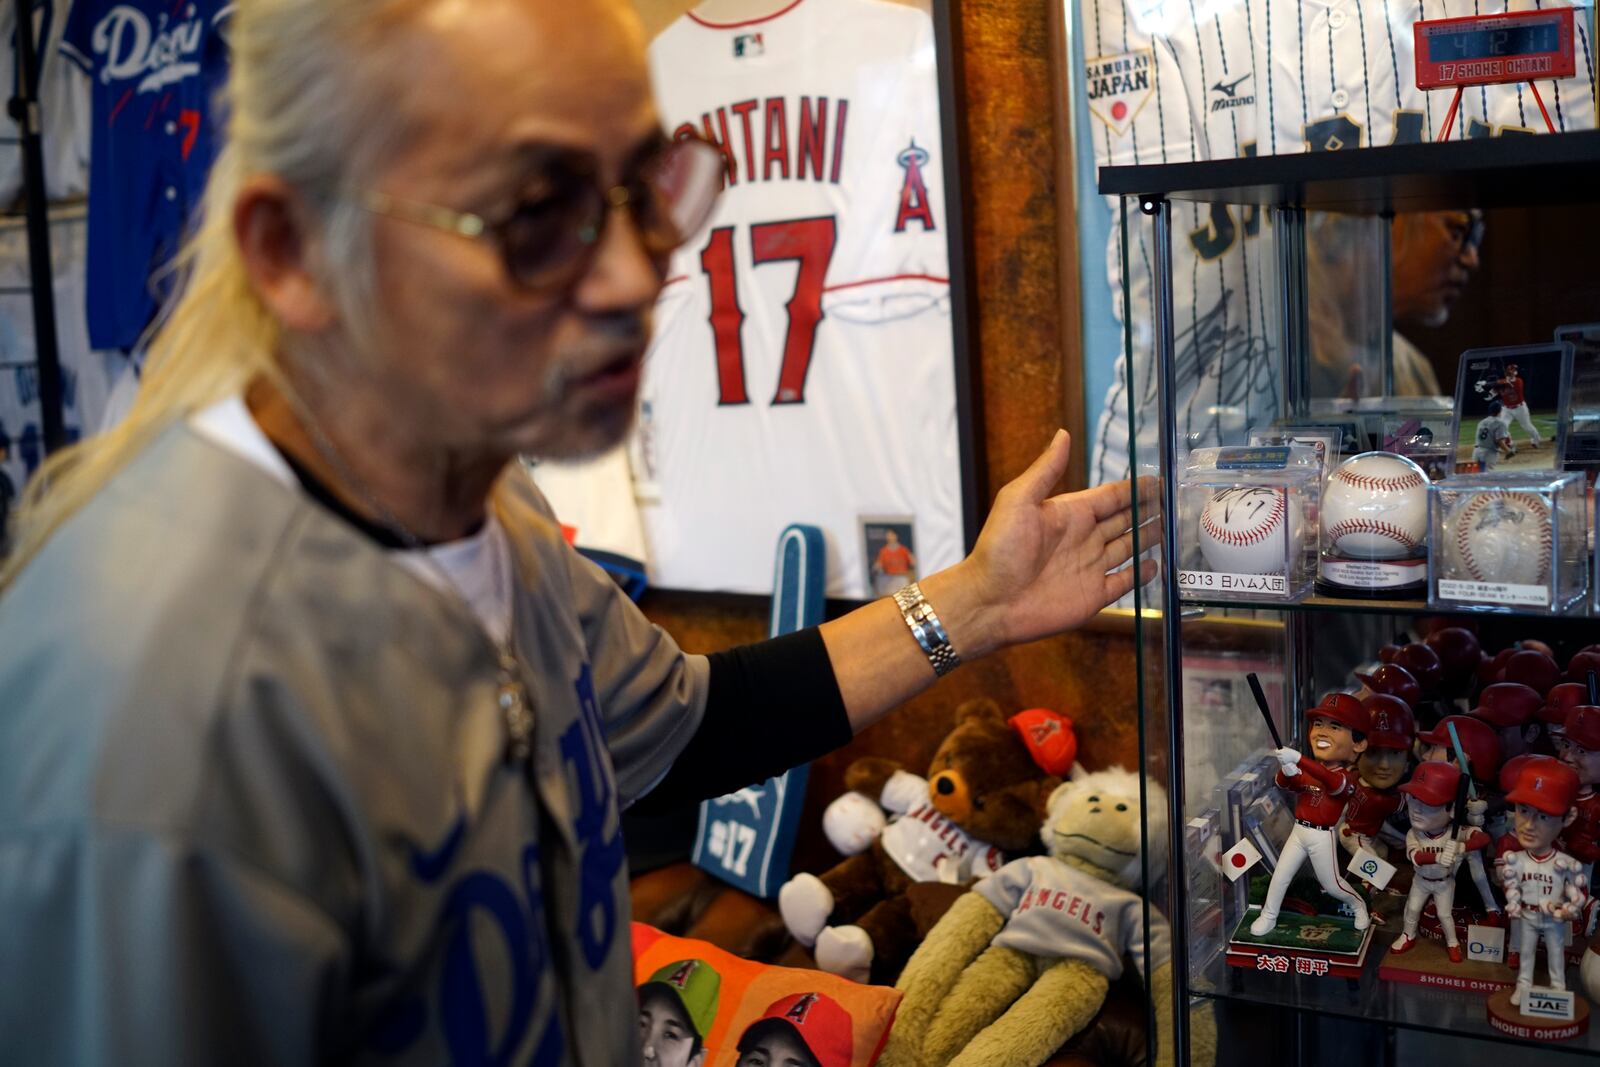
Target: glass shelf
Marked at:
1410, 1007
1345, 605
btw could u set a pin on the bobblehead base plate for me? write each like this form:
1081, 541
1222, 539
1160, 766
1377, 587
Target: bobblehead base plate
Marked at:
1322, 946
1428, 964
1507, 1018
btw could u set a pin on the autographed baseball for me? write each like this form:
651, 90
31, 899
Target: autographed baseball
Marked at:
1242, 530
1501, 537
1375, 506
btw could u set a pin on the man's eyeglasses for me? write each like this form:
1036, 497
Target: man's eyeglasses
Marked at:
548, 238
1467, 231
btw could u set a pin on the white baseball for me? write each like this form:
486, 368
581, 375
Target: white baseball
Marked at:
1501, 537
1375, 506
1242, 530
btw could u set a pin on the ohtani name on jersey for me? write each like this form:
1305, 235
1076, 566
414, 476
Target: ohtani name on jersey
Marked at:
777, 138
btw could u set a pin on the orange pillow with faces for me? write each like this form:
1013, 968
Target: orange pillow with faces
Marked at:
702, 1007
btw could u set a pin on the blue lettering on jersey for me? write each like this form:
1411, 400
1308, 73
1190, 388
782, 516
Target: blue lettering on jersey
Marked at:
155, 68
594, 800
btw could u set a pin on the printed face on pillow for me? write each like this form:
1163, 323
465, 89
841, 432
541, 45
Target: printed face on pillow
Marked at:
778, 1048
669, 1037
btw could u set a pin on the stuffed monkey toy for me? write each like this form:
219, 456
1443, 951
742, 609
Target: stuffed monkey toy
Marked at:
1023, 962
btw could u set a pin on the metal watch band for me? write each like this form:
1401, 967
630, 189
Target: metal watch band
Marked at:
927, 629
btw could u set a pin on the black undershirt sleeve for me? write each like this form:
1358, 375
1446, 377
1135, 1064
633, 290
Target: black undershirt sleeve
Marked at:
770, 706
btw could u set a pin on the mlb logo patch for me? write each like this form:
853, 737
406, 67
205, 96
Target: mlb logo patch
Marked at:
746, 45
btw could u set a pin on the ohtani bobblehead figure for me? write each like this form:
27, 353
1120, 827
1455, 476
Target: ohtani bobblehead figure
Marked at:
1381, 767
1482, 747
1435, 847
1580, 750
1337, 732
1545, 887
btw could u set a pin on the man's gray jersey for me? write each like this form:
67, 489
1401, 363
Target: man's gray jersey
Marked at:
256, 803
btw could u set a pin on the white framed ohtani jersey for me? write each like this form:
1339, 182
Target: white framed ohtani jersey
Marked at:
802, 367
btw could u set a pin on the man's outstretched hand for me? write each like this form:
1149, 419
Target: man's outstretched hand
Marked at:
1044, 563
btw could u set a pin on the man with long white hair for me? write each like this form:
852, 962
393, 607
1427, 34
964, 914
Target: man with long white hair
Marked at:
315, 732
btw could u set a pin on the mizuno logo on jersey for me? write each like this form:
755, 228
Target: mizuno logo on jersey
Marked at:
1118, 86
746, 45
1228, 94
166, 53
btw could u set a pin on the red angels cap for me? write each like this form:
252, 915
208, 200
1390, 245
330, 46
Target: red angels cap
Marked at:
1392, 724
1583, 727
1532, 668
1434, 783
1395, 680
819, 1021
1049, 739
1562, 699
1582, 663
1478, 741
1422, 663
1513, 768
1344, 709
1506, 704
1551, 788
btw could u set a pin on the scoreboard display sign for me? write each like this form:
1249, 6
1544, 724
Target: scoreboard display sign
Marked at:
1487, 49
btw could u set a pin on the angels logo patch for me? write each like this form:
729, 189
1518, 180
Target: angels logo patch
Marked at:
1117, 87
914, 203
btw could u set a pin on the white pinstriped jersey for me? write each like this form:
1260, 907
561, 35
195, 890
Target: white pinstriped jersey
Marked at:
1226, 371
1240, 77
802, 368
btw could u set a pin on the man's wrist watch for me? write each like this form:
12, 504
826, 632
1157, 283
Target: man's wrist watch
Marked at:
927, 629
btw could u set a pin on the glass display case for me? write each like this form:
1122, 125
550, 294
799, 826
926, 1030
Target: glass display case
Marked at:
1445, 644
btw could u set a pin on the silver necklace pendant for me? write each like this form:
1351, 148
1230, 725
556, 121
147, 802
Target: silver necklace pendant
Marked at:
513, 701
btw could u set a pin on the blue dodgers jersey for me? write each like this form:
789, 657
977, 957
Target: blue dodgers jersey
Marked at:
155, 68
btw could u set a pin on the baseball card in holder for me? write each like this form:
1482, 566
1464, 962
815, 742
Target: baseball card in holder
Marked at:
1582, 451
1508, 408
1248, 518
1374, 527
1509, 541
1422, 436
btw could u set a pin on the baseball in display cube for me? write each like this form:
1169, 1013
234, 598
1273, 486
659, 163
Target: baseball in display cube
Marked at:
1375, 525
1509, 542
1248, 517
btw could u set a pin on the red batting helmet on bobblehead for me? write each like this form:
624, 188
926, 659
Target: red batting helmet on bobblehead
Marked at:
1392, 723
1478, 741
1343, 709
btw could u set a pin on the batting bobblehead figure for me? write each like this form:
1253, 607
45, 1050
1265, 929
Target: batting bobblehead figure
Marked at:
1545, 887
1435, 848
1337, 731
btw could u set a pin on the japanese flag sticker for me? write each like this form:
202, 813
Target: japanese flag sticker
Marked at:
1239, 859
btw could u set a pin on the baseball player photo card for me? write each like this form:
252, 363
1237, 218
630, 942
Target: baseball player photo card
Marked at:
1509, 404
1425, 437
1582, 451
889, 544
